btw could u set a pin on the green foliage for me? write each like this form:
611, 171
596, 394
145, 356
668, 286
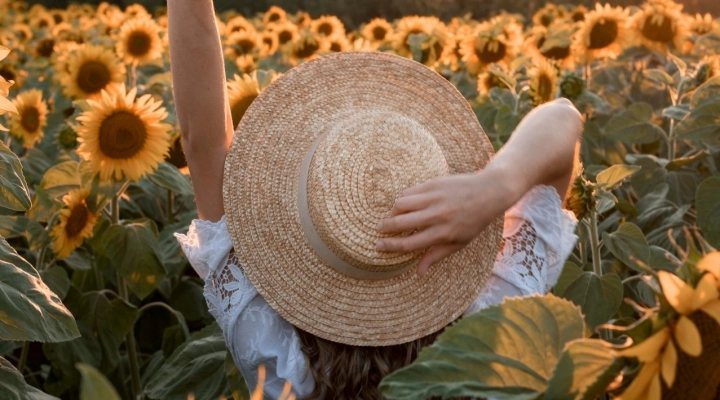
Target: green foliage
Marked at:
14, 192
524, 348
94, 385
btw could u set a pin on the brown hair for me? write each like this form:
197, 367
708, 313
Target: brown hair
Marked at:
343, 371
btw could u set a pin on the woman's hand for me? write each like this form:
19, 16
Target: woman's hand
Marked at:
449, 213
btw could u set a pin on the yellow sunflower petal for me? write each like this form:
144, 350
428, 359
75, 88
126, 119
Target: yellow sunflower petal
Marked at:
4, 51
640, 387
5, 86
649, 349
669, 363
7, 105
713, 309
705, 292
678, 293
711, 263
688, 336
2, 128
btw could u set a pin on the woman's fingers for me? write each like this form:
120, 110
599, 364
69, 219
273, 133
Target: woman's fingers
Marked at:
416, 241
435, 254
407, 204
407, 222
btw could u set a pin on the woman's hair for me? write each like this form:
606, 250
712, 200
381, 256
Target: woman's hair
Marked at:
348, 372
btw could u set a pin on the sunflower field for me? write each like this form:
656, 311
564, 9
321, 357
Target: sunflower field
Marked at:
97, 300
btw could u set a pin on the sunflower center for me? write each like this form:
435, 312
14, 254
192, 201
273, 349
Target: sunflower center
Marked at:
492, 52
284, 37
578, 16
437, 48
335, 46
274, 17
662, 32
268, 42
241, 105
245, 45
30, 119
603, 34
554, 53
45, 47
122, 135
325, 29
379, 33
93, 76
308, 49
7, 73
138, 43
76, 221
544, 88
546, 20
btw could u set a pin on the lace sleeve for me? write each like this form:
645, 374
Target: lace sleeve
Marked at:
254, 333
538, 236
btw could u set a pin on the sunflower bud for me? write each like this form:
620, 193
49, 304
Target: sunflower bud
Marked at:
67, 137
703, 73
571, 86
580, 199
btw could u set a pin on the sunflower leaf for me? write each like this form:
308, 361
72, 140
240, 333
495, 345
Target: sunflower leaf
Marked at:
707, 201
141, 267
498, 352
584, 370
634, 125
599, 297
94, 385
628, 244
168, 177
14, 191
30, 310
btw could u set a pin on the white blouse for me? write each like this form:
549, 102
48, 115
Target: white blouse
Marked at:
538, 236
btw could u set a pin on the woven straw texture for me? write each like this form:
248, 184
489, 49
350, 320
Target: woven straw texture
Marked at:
381, 123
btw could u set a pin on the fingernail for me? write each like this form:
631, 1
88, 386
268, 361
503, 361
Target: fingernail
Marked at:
380, 245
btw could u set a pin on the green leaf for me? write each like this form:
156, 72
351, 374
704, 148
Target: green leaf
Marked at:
141, 267
507, 351
634, 125
679, 63
707, 91
12, 383
677, 112
659, 76
57, 279
29, 310
94, 385
629, 242
168, 177
707, 202
14, 191
63, 357
61, 178
585, 369
615, 175
685, 161
43, 205
599, 297
506, 120
197, 366
569, 274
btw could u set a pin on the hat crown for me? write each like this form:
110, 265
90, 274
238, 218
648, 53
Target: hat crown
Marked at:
360, 167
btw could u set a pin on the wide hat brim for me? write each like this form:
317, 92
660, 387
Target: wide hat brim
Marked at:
260, 192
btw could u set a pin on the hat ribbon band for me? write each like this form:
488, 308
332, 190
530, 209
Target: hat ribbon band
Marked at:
316, 242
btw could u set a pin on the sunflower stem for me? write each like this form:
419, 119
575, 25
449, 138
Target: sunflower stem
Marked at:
130, 343
595, 243
133, 76
23, 357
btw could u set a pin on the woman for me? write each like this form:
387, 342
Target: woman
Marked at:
526, 181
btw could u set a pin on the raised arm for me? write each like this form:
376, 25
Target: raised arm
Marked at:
451, 211
200, 92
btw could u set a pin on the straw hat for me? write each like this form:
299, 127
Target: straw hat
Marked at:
318, 159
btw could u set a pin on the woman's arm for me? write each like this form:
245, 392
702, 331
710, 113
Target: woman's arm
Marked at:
200, 92
451, 211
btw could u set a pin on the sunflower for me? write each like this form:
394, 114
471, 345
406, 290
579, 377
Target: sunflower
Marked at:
274, 14
702, 24
602, 34
378, 31
242, 91
241, 43
139, 41
328, 25
90, 69
31, 117
110, 16
286, 32
338, 43
303, 19
547, 15
578, 13
658, 23
238, 24
42, 20
488, 45
437, 46
122, 136
75, 223
307, 47
268, 43
10, 73
5, 104
137, 11
490, 79
543, 82
246, 64
551, 44
707, 68
22, 32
